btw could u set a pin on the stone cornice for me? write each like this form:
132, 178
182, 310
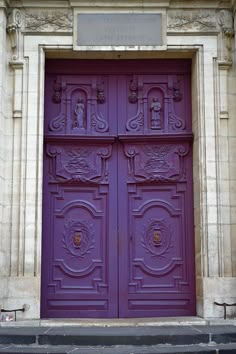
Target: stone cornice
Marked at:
200, 4
39, 4
234, 6
119, 4
185, 4
4, 4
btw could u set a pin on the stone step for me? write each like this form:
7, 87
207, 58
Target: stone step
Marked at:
126, 340
124, 349
107, 336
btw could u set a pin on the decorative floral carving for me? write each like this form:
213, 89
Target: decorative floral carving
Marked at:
175, 122
48, 20
157, 158
81, 164
79, 108
192, 21
155, 163
78, 238
57, 123
157, 236
135, 123
99, 122
78, 163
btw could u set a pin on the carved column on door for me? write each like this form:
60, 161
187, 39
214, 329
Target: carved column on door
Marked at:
135, 123
98, 121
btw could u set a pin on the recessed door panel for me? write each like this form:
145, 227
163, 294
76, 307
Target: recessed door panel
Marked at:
117, 207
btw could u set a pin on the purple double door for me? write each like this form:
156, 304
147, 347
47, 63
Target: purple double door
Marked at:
117, 195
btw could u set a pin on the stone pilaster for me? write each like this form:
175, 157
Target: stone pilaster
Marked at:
232, 143
16, 64
223, 70
4, 209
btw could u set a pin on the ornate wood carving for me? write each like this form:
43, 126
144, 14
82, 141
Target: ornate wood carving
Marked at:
133, 96
100, 93
98, 121
175, 122
178, 95
155, 109
81, 164
58, 87
79, 111
80, 226
122, 161
135, 122
156, 163
78, 238
152, 106
156, 237
160, 220
57, 124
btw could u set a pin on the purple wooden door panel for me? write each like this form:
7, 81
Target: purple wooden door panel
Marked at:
76, 205
155, 245
117, 208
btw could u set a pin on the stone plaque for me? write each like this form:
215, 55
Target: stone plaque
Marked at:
119, 30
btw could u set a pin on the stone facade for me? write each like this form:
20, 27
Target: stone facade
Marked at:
203, 31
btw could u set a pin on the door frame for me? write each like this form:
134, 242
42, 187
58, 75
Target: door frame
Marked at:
30, 239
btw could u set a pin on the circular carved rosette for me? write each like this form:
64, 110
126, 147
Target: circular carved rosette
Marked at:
157, 238
78, 238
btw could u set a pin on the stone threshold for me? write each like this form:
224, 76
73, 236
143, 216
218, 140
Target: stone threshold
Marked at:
120, 322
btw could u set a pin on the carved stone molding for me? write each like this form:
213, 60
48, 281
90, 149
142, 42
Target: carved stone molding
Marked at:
234, 7
48, 20
225, 21
17, 66
192, 21
14, 24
